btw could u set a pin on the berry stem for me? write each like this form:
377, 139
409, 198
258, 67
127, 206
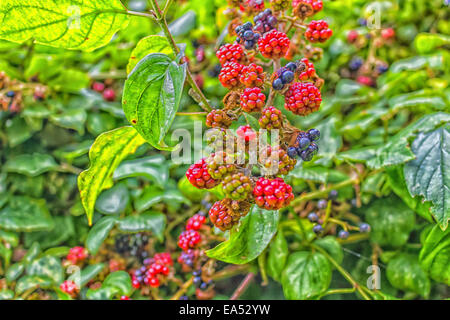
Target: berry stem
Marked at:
262, 268
183, 289
338, 291
192, 113
243, 286
161, 19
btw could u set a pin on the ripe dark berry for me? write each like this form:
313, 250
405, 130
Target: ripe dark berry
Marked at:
229, 75
287, 76
189, 239
303, 141
187, 258
265, 21
309, 153
343, 234
272, 194
274, 44
292, 152
218, 118
278, 84
318, 31
184, 298
252, 76
10, 94
318, 229
198, 176
195, 222
246, 36
313, 134
364, 227
291, 66
219, 165
333, 195
246, 132
197, 280
355, 63
303, 98
252, 100
237, 186
313, 217
382, 68
270, 118
197, 273
322, 204
109, 94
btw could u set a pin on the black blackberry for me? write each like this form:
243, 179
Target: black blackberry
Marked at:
246, 36
264, 21
132, 245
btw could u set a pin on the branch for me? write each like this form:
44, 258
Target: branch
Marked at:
243, 286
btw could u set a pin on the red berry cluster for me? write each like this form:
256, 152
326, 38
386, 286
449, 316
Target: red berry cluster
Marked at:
195, 222
246, 132
153, 272
218, 118
252, 100
226, 213
189, 239
252, 76
317, 5
274, 44
303, 98
109, 94
77, 254
230, 53
199, 177
309, 72
272, 194
229, 75
69, 287
318, 31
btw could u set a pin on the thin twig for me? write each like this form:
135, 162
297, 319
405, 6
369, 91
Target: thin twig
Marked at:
243, 286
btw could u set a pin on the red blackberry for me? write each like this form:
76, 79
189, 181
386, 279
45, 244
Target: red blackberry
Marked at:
275, 161
246, 133
316, 5
252, 100
98, 86
352, 36
220, 164
309, 71
189, 239
195, 222
230, 53
388, 33
198, 176
125, 298
252, 76
318, 31
226, 213
272, 194
218, 118
77, 254
237, 186
303, 98
254, 5
274, 44
163, 258
109, 95
270, 118
69, 287
229, 75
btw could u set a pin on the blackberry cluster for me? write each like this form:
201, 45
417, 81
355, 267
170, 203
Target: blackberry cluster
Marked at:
237, 186
305, 146
254, 5
226, 213
199, 177
318, 31
220, 165
306, 8
280, 5
230, 53
252, 76
218, 118
264, 21
188, 258
198, 281
303, 98
246, 133
284, 76
195, 222
252, 100
189, 239
229, 75
274, 44
276, 161
246, 36
270, 118
153, 271
219, 140
309, 72
355, 63
272, 194
132, 245
69, 287
77, 254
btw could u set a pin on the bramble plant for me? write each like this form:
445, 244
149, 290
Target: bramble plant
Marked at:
326, 151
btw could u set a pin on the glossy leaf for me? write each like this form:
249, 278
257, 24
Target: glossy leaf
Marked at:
153, 168
434, 256
152, 96
67, 24
47, 266
107, 152
404, 272
88, 273
99, 232
429, 174
307, 275
31, 165
391, 221
114, 200
332, 246
278, 254
29, 282
249, 239
147, 221
152, 196
147, 45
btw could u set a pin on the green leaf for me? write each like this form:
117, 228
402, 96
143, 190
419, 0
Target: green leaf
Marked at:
106, 293
114, 200
427, 42
391, 221
99, 232
434, 256
71, 119
147, 45
88, 273
278, 254
332, 247
397, 182
249, 239
31, 165
47, 266
6, 294
405, 273
152, 196
330, 142
429, 174
307, 275
120, 280
318, 174
147, 221
32, 253
29, 282
152, 96
25, 214
107, 152
14, 272
153, 168
9, 237
68, 24
17, 131
62, 231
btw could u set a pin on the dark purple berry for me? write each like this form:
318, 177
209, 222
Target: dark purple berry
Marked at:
317, 229
287, 77
277, 84
303, 143
333, 195
364, 227
313, 217
291, 66
322, 204
343, 234
292, 152
314, 134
